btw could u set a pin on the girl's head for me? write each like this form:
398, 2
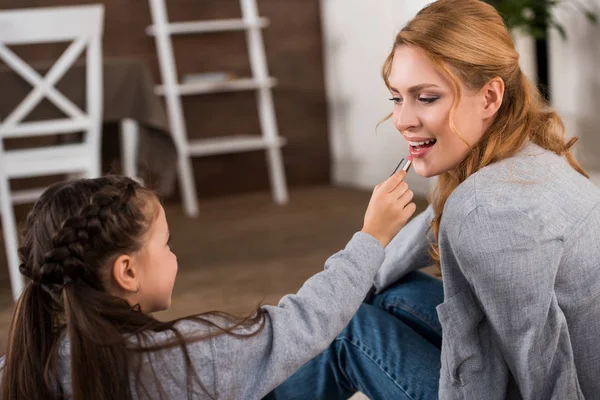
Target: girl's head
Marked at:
460, 98
107, 235
96, 252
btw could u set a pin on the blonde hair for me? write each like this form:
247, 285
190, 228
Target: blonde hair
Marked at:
467, 41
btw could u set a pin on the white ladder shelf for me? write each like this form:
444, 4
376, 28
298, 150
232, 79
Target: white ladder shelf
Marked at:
261, 82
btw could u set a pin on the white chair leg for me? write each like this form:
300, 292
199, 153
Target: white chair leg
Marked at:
129, 147
11, 241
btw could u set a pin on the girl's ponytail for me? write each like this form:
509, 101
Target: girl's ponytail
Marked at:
31, 338
97, 349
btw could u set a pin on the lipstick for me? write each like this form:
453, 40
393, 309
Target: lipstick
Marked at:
404, 164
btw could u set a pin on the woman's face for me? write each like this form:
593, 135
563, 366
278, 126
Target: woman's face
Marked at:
422, 100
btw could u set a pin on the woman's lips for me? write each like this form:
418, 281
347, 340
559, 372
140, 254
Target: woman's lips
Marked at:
420, 151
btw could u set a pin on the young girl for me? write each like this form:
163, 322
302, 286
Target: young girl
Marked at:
97, 254
515, 229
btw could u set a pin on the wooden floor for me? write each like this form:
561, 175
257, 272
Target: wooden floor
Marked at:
244, 250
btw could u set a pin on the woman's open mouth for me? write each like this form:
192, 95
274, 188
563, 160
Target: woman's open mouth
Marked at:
421, 149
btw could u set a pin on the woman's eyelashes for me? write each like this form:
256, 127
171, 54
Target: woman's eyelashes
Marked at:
421, 99
396, 100
428, 99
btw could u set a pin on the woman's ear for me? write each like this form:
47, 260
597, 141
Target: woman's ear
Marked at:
493, 93
125, 274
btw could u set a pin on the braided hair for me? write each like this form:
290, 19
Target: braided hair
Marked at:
108, 224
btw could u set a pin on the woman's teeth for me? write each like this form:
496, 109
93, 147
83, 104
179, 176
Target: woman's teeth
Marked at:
415, 144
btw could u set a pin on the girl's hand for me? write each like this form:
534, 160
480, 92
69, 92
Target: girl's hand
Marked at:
389, 209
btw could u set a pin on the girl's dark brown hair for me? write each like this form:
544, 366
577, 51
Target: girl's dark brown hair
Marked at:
467, 41
72, 235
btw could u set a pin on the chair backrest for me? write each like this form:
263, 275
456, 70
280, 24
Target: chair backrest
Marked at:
83, 25
50, 24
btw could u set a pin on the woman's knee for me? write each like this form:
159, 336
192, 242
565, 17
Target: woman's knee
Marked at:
416, 288
414, 299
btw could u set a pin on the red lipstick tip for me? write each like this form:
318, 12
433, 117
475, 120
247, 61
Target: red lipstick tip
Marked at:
410, 157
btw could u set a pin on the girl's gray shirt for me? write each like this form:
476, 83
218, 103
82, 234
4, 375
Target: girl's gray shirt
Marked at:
520, 256
300, 327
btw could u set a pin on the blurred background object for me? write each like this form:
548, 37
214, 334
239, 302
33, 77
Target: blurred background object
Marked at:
535, 18
173, 88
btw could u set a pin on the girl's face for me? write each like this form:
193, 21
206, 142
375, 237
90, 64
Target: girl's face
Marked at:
157, 267
422, 100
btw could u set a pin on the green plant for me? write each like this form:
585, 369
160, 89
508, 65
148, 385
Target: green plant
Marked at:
534, 17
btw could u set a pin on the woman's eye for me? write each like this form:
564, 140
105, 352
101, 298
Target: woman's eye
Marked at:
428, 100
396, 100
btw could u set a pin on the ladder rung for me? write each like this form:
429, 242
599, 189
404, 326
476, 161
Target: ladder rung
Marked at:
231, 144
218, 25
218, 86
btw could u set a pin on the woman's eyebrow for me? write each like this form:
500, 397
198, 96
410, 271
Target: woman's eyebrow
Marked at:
416, 88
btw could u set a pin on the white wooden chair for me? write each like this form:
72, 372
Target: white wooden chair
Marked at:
83, 26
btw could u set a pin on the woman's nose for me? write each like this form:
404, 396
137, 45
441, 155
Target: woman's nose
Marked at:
405, 118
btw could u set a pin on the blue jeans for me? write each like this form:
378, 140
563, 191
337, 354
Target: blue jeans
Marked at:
389, 350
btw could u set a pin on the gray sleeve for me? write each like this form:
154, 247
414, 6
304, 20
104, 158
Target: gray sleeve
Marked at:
511, 261
407, 252
300, 327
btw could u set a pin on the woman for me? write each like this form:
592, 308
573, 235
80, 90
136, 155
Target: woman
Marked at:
514, 225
